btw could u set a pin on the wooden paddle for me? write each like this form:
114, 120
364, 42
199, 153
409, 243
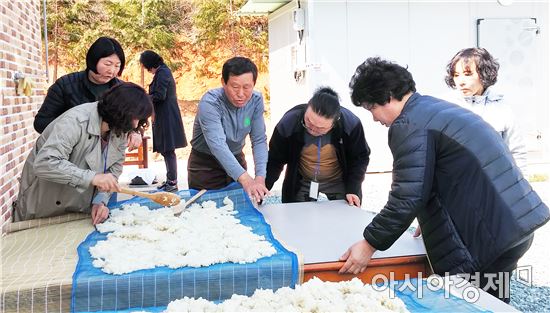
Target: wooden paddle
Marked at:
162, 198
178, 210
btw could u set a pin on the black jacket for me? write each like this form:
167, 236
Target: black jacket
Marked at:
455, 173
287, 141
67, 92
168, 132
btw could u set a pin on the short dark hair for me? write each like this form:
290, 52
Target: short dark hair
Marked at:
237, 66
376, 80
123, 103
326, 103
101, 48
150, 59
486, 66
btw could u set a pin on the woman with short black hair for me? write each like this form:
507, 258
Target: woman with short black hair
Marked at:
105, 62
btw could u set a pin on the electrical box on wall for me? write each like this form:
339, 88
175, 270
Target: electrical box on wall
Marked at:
298, 19
298, 62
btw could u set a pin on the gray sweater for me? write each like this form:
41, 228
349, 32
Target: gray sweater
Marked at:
220, 129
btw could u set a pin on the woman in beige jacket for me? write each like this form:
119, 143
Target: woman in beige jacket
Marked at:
75, 163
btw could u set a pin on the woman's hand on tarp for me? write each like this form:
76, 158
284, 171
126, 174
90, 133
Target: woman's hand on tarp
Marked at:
99, 213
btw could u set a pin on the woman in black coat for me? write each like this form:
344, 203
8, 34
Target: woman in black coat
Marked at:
168, 132
105, 61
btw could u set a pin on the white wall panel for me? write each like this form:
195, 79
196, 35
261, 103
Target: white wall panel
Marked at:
424, 35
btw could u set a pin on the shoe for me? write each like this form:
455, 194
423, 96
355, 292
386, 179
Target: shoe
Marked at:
168, 186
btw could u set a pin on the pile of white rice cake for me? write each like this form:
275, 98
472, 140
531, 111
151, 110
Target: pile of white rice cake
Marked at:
202, 235
313, 296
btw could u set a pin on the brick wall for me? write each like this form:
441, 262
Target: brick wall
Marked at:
20, 51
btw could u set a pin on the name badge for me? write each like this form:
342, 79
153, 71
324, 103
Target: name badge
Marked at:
314, 190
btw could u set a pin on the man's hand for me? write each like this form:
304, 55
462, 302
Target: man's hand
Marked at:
357, 257
254, 187
106, 182
99, 213
353, 200
260, 180
134, 140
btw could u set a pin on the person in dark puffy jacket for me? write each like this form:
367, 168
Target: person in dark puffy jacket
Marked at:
168, 132
455, 174
104, 62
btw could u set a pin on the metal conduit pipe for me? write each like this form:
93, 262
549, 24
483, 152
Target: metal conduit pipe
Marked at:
46, 39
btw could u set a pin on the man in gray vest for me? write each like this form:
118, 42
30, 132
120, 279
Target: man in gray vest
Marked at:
225, 118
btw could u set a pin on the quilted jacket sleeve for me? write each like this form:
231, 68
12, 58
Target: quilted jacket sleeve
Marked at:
357, 158
277, 158
413, 169
53, 106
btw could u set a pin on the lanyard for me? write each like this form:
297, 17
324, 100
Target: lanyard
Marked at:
105, 154
318, 164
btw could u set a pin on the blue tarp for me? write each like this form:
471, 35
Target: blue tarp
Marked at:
94, 290
421, 298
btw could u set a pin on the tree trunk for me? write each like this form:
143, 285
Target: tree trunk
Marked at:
55, 52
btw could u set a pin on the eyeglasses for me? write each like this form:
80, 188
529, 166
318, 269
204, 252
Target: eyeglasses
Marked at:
318, 130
